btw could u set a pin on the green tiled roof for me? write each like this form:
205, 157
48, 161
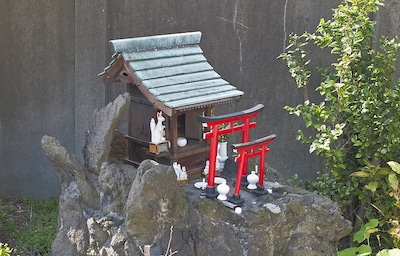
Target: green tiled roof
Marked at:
173, 69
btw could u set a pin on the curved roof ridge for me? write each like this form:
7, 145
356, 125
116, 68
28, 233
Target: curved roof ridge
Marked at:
158, 41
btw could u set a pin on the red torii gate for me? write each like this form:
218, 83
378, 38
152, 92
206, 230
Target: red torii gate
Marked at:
248, 150
214, 122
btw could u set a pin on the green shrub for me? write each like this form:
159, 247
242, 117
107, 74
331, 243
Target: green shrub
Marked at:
355, 125
382, 187
357, 119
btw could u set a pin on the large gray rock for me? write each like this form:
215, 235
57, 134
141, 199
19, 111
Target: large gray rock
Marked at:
100, 133
72, 236
114, 209
115, 182
298, 223
155, 201
83, 192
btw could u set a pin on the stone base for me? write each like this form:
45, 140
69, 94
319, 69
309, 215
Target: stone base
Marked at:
210, 192
236, 199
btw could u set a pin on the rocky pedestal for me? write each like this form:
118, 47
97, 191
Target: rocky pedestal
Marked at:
115, 209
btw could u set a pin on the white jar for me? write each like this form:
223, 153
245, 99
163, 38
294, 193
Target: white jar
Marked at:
223, 190
252, 178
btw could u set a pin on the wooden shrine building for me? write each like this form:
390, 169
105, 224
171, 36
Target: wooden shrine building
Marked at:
168, 73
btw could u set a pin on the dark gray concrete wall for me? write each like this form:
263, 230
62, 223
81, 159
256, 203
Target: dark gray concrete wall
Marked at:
90, 42
36, 92
52, 51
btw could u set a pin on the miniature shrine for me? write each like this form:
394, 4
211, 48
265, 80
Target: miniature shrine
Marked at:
170, 83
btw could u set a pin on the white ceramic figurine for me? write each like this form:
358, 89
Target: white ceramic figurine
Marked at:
157, 130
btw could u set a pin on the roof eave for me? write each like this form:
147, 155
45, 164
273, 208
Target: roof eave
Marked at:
113, 71
206, 104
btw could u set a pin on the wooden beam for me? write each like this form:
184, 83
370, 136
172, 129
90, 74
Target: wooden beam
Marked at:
115, 67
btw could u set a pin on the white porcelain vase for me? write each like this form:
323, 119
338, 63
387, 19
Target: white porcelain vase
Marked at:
223, 149
222, 155
252, 178
223, 190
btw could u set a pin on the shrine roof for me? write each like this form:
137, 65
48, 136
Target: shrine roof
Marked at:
170, 70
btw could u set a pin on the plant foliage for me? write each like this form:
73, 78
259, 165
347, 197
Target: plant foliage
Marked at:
5, 250
355, 126
29, 225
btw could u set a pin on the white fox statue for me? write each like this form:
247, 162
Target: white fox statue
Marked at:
157, 130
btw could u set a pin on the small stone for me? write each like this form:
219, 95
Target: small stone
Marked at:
238, 210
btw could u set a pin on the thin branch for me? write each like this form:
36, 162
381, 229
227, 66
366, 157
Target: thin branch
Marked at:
170, 240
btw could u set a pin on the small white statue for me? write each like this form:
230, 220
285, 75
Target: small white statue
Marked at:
180, 172
183, 175
206, 168
157, 130
176, 167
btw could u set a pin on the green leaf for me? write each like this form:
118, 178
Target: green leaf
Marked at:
359, 155
384, 171
352, 251
372, 186
356, 251
364, 250
360, 174
370, 230
395, 166
362, 234
389, 252
393, 181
